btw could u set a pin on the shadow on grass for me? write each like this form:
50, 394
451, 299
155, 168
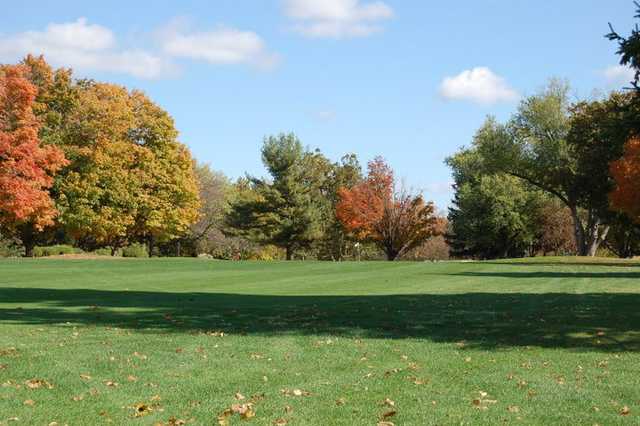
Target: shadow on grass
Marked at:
596, 321
551, 274
560, 263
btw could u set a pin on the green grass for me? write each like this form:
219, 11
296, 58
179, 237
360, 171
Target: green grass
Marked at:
548, 341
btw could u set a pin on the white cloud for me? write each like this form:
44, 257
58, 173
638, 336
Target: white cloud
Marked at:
439, 187
221, 46
618, 74
87, 47
478, 85
337, 18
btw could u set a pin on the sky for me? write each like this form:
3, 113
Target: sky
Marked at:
410, 80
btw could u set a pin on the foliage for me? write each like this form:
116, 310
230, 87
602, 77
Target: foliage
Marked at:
624, 237
135, 250
563, 150
629, 48
107, 251
10, 247
626, 173
56, 250
129, 179
375, 210
26, 166
493, 216
286, 210
554, 227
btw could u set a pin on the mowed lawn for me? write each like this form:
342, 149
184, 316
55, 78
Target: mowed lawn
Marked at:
166, 341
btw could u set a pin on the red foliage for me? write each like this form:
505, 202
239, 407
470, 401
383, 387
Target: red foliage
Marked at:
26, 167
396, 222
360, 208
626, 172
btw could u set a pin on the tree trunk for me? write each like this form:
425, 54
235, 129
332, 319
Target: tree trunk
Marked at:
578, 231
151, 244
289, 253
588, 240
28, 239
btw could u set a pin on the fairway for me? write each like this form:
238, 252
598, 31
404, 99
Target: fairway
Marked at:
166, 341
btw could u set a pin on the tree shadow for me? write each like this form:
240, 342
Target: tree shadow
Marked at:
596, 321
551, 274
586, 263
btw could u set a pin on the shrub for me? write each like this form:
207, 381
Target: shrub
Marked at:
106, 251
56, 250
135, 250
10, 247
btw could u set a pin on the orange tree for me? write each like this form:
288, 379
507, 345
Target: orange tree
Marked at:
26, 166
374, 210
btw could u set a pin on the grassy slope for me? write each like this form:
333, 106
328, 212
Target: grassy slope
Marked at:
557, 338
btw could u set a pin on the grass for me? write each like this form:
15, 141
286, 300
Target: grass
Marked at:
547, 341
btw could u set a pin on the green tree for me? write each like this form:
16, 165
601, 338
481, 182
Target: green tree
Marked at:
493, 216
541, 146
286, 210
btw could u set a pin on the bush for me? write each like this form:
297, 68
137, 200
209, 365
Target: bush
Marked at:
55, 250
10, 247
135, 250
106, 251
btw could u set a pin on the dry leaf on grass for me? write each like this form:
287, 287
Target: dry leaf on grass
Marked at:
295, 392
142, 409
30, 402
38, 383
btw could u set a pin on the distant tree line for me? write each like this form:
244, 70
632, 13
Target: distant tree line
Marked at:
95, 166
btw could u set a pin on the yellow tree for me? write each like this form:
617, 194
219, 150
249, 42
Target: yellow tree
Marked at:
130, 178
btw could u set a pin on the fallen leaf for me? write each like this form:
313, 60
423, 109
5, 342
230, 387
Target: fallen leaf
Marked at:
513, 409
78, 398
111, 383
389, 414
385, 424
280, 422
85, 377
30, 402
288, 409
340, 401
625, 411
132, 378
388, 402
142, 409
239, 396
38, 383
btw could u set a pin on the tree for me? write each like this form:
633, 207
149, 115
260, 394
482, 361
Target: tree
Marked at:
493, 216
129, 178
26, 166
554, 227
626, 173
537, 147
396, 221
286, 210
629, 48
336, 241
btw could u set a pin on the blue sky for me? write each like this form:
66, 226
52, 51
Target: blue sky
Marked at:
410, 80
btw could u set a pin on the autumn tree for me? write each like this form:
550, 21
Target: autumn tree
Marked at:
129, 178
554, 227
26, 166
284, 210
395, 220
626, 172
